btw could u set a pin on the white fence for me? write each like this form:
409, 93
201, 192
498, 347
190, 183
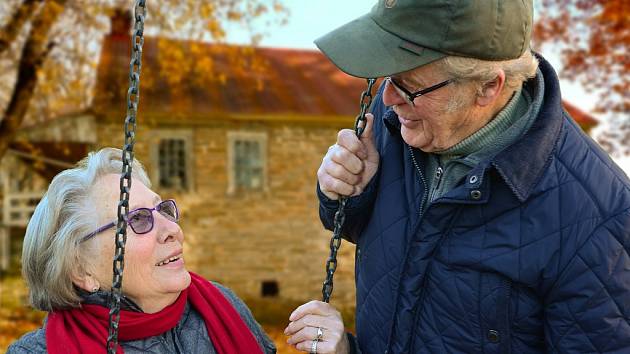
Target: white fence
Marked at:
16, 211
4, 248
19, 207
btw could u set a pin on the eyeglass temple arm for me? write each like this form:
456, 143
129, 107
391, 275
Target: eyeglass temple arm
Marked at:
98, 231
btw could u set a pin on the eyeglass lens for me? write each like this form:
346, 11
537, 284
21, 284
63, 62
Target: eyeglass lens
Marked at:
141, 220
169, 210
401, 93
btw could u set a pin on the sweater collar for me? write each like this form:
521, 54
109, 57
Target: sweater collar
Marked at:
486, 137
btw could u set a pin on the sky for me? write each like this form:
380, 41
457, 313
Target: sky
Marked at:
309, 20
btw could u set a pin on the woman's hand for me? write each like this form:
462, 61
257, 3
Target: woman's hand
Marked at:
305, 322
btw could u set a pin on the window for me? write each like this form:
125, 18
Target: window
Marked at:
247, 161
171, 159
172, 164
247, 164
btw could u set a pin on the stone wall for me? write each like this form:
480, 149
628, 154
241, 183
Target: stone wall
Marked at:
243, 239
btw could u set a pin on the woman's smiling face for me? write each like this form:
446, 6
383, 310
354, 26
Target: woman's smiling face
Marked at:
154, 272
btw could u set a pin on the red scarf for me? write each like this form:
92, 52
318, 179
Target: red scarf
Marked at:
84, 330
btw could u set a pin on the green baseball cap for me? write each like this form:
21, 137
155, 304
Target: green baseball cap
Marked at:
400, 35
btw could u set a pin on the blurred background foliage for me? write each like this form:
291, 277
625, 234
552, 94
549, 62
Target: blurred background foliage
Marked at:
593, 37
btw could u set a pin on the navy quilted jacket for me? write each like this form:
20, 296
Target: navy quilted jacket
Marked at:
529, 254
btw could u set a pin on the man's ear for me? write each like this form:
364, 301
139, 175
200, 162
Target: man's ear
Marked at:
85, 281
491, 90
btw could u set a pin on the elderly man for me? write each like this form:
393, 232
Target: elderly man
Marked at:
485, 220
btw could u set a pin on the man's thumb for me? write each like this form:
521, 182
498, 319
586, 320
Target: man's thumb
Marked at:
366, 137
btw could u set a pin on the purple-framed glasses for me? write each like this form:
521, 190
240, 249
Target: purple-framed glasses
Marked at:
141, 220
408, 96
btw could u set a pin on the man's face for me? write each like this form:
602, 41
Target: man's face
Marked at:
431, 125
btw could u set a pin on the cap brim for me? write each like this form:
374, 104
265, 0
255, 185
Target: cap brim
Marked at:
362, 48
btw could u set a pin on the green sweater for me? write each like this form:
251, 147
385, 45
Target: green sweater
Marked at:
445, 169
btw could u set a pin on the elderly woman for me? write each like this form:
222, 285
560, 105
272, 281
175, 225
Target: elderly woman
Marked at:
67, 264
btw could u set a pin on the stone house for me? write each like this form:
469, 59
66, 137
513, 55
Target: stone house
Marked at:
239, 154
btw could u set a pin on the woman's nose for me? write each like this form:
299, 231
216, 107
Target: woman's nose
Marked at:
168, 230
391, 97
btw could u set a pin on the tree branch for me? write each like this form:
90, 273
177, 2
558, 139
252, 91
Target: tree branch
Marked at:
34, 52
10, 31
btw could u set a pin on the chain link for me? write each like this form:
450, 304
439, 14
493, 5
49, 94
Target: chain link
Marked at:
133, 97
340, 216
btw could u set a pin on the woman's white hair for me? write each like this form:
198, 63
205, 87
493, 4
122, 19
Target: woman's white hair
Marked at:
52, 253
480, 72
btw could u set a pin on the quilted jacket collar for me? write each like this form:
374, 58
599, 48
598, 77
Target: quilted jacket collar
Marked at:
522, 164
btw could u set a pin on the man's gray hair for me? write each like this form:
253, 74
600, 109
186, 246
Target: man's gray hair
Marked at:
481, 72
52, 253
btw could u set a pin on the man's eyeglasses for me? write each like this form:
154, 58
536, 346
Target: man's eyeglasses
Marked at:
141, 220
409, 96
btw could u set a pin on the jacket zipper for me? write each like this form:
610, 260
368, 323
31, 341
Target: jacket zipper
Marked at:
429, 266
437, 179
420, 215
422, 179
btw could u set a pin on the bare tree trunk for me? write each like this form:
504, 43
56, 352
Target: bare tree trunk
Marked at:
9, 33
34, 53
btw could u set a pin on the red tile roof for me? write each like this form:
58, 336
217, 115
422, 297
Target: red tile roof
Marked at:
582, 118
295, 84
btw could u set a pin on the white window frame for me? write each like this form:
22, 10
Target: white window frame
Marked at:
232, 138
171, 134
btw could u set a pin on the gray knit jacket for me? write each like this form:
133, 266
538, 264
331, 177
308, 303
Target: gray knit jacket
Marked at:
188, 336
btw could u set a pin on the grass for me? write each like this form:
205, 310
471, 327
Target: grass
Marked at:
16, 318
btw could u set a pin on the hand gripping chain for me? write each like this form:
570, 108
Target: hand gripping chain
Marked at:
340, 216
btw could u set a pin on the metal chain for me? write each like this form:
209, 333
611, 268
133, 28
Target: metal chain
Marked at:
133, 97
340, 216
